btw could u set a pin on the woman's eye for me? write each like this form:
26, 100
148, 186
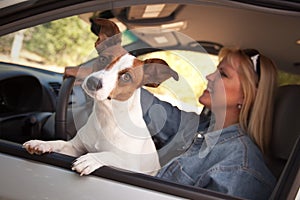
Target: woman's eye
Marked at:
126, 77
223, 74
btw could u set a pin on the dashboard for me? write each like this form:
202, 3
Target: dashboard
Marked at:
20, 94
23, 89
27, 100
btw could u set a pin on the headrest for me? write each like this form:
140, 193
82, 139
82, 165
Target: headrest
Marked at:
286, 122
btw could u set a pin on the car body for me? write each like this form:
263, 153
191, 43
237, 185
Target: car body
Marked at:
30, 100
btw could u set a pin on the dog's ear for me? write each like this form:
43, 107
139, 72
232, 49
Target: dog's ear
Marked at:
157, 71
105, 28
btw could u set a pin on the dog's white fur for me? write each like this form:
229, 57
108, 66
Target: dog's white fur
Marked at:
115, 133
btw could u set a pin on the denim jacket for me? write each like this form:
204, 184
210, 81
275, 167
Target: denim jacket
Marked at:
226, 161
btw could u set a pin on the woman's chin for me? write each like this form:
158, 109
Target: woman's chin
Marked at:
204, 101
205, 98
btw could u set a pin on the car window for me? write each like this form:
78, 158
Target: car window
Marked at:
28, 97
54, 45
51, 46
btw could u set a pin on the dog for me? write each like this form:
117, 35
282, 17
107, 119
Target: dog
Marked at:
115, 134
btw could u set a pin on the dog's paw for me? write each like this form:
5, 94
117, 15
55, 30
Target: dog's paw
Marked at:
87, 163
37, 147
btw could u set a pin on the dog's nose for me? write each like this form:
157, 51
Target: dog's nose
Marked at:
94, 83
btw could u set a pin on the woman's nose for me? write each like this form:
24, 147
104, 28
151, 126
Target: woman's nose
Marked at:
210, 77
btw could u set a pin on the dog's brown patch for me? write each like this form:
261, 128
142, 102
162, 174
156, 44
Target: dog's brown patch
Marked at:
109, 57
107, 29
157, 71
125, 88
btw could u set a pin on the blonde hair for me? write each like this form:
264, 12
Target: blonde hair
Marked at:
256, 113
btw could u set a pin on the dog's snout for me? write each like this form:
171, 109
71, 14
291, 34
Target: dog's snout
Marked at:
94, 83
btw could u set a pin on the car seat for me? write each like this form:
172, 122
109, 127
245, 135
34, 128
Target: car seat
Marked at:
286, 126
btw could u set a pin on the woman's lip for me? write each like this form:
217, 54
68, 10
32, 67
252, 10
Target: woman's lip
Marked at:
208, 90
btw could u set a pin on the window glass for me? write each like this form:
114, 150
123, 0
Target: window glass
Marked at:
52, 46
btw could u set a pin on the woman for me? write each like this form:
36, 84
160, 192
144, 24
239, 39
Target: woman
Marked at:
229, 156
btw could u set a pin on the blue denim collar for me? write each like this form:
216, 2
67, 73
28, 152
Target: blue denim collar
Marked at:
219, 136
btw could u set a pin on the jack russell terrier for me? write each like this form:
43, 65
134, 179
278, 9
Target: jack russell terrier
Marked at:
115, 133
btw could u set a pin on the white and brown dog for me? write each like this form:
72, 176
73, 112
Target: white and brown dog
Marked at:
115, 133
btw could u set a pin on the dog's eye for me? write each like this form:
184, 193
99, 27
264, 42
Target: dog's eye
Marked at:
103, 60
125, 77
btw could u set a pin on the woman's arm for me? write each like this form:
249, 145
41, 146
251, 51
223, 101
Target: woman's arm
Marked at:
172, 129
162, 119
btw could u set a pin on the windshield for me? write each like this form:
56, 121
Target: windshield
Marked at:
70, 42
192, 67
51, 46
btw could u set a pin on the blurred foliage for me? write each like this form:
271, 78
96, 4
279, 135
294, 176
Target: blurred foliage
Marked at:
285, 78
62, 42
5, 43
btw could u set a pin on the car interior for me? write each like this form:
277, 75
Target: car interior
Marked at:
285, 141
41, 104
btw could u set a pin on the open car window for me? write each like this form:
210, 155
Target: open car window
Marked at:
51, 46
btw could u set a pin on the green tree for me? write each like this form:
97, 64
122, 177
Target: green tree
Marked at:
62, 42
5, 43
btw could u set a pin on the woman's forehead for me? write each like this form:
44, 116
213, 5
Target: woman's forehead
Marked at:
229, 62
